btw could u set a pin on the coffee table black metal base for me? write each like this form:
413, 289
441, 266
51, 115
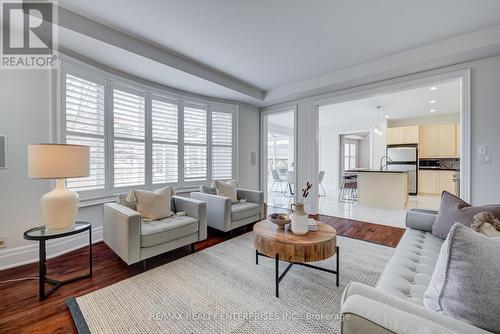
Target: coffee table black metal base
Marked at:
42, 235
279, 277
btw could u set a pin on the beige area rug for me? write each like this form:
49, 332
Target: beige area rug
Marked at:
222, 290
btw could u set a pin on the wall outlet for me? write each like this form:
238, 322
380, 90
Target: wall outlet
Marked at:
484, 158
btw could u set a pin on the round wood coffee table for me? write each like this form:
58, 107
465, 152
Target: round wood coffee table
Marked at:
283, 245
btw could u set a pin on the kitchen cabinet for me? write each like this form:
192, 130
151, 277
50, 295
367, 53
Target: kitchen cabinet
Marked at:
427, 181
436, 181
428, 141
402, 135
438, 141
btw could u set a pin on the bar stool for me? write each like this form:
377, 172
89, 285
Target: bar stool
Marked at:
349, 189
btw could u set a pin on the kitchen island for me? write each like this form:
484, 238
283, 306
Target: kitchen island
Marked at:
382, 188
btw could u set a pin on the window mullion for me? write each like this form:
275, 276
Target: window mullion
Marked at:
109, 134
180, 131
148, 165
209, 146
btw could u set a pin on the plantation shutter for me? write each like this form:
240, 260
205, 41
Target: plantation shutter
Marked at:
165, 142
195, 144
84, 125
222, 145
129, 139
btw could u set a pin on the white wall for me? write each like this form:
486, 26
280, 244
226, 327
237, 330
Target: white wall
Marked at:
248, 141
25, 117
424, 120
330, 145
485, 120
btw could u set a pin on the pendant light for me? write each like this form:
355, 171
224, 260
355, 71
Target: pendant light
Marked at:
377, 129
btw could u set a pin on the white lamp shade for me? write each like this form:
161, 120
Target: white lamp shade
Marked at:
58, 161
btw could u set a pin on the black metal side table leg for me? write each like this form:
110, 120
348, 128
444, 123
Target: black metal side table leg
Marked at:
338, 266
42, 269
90, 251
277, 275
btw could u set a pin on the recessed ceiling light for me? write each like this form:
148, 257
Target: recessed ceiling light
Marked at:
432, 101
432, 110
434, 88
387, 116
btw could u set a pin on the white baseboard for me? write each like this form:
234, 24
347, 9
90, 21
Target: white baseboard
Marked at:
14, 257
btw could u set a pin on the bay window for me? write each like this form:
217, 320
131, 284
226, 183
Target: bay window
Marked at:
144, 138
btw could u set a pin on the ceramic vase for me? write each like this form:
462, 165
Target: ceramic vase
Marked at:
299, 219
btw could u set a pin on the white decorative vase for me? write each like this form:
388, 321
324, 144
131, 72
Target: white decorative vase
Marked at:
299, 219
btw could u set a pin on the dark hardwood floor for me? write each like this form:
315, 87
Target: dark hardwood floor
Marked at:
21, 312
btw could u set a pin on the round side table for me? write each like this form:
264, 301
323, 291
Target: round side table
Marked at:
42, 234
283, 245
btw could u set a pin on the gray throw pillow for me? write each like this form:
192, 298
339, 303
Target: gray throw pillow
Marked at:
208, 190
453, 210
122, 200
465, 283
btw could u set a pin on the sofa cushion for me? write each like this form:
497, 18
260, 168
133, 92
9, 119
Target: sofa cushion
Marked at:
244, 210
453, 210
409, 271
465, 284
167, 229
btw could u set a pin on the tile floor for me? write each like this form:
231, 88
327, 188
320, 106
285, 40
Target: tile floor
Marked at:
329, 205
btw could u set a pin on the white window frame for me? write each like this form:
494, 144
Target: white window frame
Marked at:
110, 82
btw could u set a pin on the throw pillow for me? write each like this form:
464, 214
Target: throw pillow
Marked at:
227, 189
153, 205
208, 190
465, 284
453, 210
122, 200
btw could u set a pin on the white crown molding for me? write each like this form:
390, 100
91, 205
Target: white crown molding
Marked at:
103, 33
18, 256
479, 44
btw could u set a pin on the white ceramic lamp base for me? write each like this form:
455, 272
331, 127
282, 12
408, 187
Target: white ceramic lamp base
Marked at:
59, 207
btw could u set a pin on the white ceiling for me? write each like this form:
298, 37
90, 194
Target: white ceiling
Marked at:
270, 44
143, 67
401, 105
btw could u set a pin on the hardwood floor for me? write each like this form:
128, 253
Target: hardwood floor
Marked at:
21, 312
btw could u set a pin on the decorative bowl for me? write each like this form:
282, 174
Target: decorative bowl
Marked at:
280, 219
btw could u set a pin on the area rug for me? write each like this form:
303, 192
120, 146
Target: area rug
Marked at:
222, 290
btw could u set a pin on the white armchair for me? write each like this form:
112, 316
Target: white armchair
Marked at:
226, 216
134, 241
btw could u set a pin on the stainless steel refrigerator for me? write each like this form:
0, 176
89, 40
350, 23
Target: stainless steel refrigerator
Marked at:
405, 158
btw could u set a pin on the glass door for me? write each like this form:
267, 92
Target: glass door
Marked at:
279, 153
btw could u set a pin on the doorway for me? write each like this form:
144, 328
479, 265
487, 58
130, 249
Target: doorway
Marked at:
279, 151
430, 116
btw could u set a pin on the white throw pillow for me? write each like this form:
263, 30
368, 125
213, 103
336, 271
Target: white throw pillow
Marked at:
465, 283
153, 205
227, 189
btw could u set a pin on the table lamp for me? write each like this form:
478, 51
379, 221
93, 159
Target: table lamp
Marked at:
58, 161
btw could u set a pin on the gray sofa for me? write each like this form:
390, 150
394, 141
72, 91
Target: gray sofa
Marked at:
395, 304
134, 241
226, 216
